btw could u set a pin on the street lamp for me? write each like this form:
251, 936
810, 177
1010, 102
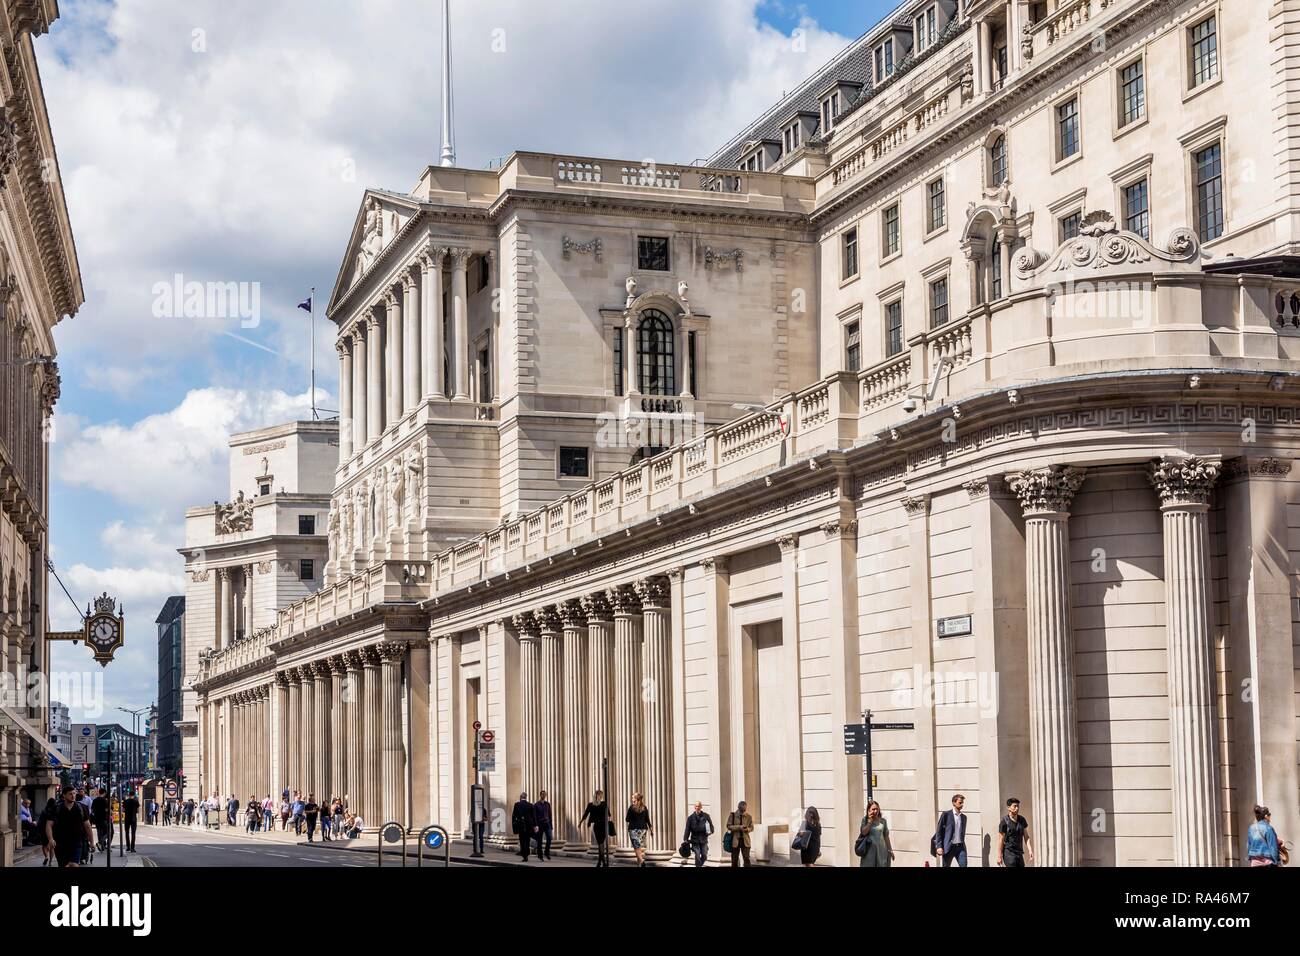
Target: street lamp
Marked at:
135, 722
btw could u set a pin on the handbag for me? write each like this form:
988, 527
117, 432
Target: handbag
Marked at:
726, 842
800, 840
684, 850
863, 844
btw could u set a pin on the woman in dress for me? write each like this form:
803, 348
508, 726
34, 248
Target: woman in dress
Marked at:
597, 816
875, 831
639, 826
810, 847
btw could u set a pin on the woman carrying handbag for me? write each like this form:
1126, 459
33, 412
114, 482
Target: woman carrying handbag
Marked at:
808, 841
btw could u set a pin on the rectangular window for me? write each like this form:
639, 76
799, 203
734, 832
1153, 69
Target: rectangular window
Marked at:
306, 570
853, 347
939, 302
1208, 164
894, 328
1000, 63
618, 362
884, 61
264, 488
792, 138
652, 253
1204, 52
1067, 129
1137, 209
306, 524
937, 207
830, 110
1070, 226
995, 263
890, 227
849, 267
1132, 93
575, 462
924, 29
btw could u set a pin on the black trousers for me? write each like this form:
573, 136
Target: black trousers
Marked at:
737, 850
525, 844
129, 827
543, 833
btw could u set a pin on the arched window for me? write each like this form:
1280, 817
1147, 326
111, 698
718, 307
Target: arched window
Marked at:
998, 161
655, 354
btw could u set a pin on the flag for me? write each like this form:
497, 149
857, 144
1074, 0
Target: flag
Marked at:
305, 304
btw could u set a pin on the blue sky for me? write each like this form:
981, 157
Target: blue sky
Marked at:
230, 140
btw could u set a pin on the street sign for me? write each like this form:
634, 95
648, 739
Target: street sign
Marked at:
84, 737
54, 760
393, 833
172, 790
478, 725
954, 626
893, 726
487, 761
434, 839
855, 739
488, 739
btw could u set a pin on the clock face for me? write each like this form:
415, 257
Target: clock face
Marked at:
104, 632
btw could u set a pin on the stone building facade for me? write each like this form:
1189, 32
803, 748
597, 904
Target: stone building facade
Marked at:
1023, 279
40, 284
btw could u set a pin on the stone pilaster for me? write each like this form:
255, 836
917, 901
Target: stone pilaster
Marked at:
293, 743
374, 378
1045, 496
411, 356
353, 701
393, 654
360, 388
530, 679
460, 313
280, 776
600, 690
1184, 486
320, 735
657, 704
372, 752
575, 754
393, 360
553, 728
629, 765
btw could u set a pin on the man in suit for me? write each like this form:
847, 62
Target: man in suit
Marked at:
523, 821
949, 840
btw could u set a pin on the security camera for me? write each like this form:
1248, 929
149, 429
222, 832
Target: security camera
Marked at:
910, 405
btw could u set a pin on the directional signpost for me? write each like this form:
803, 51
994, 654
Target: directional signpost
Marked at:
857, 743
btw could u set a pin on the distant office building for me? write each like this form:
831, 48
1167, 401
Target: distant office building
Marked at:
128, 751
171, 643
60, 727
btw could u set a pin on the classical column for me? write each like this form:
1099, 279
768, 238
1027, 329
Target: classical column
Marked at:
360, 388
393, 359
372, 748
344, 348
553, 728
248, 599
628, 765
393, 654
630, 384
292, 772
338, 739
280, 778
237, 751
353, 700
577, 777
1184, 486
432, 319
374, 378
530, 691
223, 608
1045, 496
600, 690
460, 314
657, 704
411, 356
310, 724
320, 737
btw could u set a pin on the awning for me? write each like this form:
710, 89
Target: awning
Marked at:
10, 720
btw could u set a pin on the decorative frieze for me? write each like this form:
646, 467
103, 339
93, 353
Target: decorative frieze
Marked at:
1238, 468
593, 248
713, 257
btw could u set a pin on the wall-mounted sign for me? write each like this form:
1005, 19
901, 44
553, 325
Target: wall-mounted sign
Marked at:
954, 626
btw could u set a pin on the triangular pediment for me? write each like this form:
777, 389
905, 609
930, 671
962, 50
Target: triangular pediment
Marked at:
379, 221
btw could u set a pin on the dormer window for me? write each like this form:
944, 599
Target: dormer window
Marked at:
830, 110
925, 29
754, 163
790, 140
882, 59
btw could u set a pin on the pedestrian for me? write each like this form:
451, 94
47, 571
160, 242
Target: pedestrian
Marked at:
639, 827
1013, 837
602, 828
338, 816
99, 814
310, 810
284, 813
873, 846
326, 819
68, 832
232, 809
358, 824
949, 840
545, 825
252, 814
42, 834
268, 814
298, 805
130, 811
699, 827
26, 822
523, 823
740, 824
1263, 848
808, 841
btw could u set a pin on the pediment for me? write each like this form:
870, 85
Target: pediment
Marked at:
380, 219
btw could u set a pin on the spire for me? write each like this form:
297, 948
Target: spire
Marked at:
448, 134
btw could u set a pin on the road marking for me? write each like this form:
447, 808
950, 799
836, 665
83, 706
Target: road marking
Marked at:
283, 856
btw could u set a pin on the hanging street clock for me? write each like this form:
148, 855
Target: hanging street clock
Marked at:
104, 629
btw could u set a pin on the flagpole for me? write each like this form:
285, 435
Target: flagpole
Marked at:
312, 300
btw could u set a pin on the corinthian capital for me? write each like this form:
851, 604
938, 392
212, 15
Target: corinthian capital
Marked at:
572, 615
653, 593
391, 300
623, 600
1184, 482
1046, 490
525, 624
548, 619
596, 607
459, 257
390, 651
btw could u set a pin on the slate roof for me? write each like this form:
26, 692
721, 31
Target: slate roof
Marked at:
852, 64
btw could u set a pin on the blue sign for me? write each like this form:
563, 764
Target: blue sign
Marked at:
86, 730
54, 761
433, 839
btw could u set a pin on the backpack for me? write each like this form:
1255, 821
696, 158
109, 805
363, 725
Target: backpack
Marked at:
727, 838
